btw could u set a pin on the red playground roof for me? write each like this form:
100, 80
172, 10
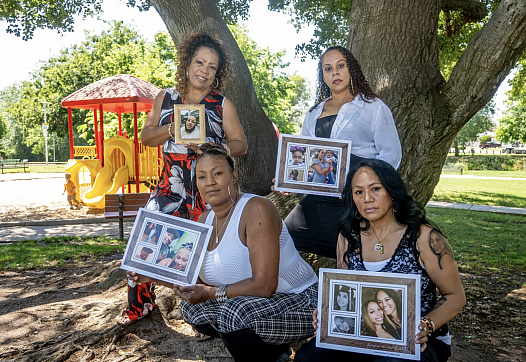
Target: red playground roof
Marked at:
116, 94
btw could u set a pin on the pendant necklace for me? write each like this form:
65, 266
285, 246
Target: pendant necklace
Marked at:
379, 247
224, 223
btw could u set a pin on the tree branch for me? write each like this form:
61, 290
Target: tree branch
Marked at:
488, 59
472, 10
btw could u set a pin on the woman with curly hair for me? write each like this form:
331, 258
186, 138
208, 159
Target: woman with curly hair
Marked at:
203, 71
346, 109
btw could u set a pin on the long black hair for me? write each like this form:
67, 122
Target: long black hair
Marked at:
406, 210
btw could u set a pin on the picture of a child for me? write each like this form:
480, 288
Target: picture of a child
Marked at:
297, 155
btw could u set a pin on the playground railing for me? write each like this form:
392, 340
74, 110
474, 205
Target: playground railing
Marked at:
86, 152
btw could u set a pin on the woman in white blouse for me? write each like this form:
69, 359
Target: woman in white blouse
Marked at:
346, 109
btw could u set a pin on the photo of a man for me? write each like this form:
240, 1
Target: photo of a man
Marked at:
190, 124
167, 246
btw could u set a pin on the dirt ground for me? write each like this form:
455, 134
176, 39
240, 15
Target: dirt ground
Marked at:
66, 314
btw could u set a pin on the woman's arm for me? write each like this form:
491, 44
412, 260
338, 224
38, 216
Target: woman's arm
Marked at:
152, 135
386, 140
236, 141
319, 170
341, 248
437, 256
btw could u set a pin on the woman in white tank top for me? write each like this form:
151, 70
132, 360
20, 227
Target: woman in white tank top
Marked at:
257, 292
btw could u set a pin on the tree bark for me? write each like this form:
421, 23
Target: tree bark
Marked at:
396, 45
257, 167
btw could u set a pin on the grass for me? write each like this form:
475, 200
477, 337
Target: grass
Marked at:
483, 173
56, 251
481, 191
483, 240
39, 168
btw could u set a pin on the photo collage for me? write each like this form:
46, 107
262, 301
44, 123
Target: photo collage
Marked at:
165, 246
367, 312
312, 164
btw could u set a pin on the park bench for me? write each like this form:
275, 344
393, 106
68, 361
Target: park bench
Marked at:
124, 205
453, 169
13, 163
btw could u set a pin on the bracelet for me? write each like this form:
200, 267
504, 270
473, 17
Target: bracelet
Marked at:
170, 130
221, 293
429, 324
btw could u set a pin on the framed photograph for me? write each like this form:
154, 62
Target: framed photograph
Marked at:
166, 247
312, 165
369, 312
190, 126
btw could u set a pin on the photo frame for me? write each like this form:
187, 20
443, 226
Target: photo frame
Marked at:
300, 157
190, 123
166, 247
358, 311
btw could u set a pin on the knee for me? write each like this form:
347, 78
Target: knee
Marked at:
234, 314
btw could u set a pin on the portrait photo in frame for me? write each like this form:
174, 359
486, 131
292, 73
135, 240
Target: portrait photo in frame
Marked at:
166, 247
369, 312
300, 158
190, 123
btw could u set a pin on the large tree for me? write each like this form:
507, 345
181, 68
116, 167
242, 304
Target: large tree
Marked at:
396, 42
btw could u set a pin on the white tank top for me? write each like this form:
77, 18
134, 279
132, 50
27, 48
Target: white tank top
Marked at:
229, 263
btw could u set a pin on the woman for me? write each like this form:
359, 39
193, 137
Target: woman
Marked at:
346, 109
321, 168
391, 303
202, 73
257, 292
383, 229
373, 321
180, 259
343, 299
343, 325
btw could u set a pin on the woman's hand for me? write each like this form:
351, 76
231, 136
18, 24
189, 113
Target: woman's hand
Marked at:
194, 294
421, 337
137, 278
193, 146
315, 320
282, 193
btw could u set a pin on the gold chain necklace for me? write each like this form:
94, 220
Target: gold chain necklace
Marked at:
379, 247
224, 223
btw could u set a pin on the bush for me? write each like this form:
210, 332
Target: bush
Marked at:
488, 162
484, 139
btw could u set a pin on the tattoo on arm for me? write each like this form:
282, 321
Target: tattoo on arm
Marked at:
439, 246
440, 303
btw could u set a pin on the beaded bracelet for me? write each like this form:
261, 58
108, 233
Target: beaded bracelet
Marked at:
170, 130
221, 293
429, 324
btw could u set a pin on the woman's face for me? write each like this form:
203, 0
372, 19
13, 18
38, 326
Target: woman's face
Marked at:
375, 313
297, 157
343, 300
181, 259
202, 69
321, 155
335, 72
190, 122
388, 305
370, 196
342, 324
213, 176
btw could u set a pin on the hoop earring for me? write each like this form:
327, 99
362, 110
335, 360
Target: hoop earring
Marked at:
228, 185
352, 88
357, 215
217, 84
320, 92
395, 207
186, 73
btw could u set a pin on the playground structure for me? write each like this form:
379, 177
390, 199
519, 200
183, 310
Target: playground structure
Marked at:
118, 164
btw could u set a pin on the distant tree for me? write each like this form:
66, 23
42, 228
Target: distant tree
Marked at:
512, 126
485, 139
480, 122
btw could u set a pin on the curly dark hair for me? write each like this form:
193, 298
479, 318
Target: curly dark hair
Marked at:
406, 210
187, 50
357, 86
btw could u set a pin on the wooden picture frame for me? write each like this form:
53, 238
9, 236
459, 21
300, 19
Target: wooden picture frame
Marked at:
295, 170
166, 247
184, 112
345, 326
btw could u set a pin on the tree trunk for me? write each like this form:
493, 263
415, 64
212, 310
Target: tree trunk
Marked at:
396, 45
456, 147
257, 167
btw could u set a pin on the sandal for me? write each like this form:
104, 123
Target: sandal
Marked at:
141, 301
200, 337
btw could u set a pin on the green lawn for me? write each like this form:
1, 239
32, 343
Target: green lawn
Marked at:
40, 168
483, 240
54, 251
510, 193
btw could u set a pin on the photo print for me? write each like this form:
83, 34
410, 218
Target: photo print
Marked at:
190, 123
176, 257
312, 165
369, 312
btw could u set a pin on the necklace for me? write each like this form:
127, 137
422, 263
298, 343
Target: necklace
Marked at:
379, 247
224, 223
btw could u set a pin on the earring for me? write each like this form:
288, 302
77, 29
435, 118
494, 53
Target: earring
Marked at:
217, 84
186, 73
228, 185
352, 88
357, 215
320, 91
395, 207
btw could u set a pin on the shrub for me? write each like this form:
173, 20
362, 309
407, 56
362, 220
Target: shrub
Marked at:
484, 139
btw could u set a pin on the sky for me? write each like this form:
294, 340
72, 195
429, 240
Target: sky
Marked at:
24, 56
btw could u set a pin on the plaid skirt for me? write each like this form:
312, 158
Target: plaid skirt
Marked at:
282, 318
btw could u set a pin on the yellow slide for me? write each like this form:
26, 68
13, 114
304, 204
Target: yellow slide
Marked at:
104, 185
